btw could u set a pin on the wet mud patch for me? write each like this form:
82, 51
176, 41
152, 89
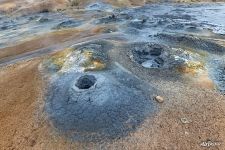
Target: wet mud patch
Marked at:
154, 55
97, 105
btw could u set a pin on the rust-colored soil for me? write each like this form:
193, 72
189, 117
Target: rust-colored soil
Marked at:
20, 87
22, 121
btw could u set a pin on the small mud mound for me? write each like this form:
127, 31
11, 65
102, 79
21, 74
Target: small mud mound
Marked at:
110, 109
192, 42
153, 55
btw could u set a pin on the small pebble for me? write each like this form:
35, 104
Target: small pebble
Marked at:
185, 120
159, 99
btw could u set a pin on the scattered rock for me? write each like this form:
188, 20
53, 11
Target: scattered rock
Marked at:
159, 99
185, 120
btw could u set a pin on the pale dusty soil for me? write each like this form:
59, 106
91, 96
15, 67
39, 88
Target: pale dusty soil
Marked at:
24, 124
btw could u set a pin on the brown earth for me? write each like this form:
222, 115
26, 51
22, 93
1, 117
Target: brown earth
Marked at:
20, 87
23, 123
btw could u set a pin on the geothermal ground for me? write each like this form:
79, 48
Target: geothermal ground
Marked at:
88, 78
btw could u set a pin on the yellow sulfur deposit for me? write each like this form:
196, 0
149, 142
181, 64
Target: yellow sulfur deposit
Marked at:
91, 64
59, 58
191, 67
